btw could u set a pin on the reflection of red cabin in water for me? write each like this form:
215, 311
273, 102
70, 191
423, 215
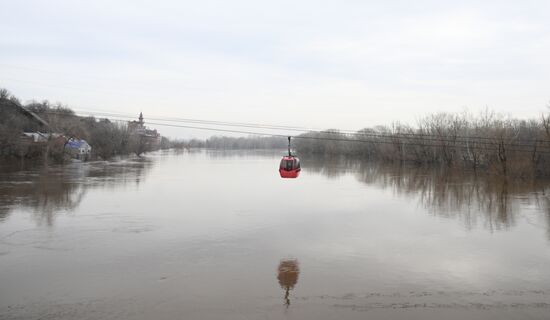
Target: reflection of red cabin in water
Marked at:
288, 273
151, 137
289, 167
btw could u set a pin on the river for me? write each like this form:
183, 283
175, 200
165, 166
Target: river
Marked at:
219, 235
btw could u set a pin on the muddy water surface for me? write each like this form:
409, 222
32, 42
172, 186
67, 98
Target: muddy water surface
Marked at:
217, 235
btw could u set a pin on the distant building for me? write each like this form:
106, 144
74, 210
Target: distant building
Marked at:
32, 144
137, 126
40, 137
78, 148
149, 136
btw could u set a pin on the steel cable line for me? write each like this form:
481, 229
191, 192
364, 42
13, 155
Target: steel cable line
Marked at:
335, 139
363, 135
443, 141
292, 128
297, 128
403, 143
213, 122
423, 137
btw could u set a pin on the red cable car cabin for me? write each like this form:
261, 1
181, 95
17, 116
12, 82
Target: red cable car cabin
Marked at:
290, 167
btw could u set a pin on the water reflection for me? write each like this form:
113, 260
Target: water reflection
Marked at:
288, 272
475, 199
49, 190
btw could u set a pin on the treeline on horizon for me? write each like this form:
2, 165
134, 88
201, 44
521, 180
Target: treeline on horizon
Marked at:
487, 142
491, 142
107, 138
236, 143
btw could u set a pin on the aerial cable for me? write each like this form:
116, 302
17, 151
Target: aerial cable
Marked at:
295, 128
336, 139
403, 143
443, 141
267, 126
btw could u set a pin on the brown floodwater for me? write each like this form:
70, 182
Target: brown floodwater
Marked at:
219, 235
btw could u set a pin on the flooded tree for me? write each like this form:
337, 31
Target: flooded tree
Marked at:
497, 144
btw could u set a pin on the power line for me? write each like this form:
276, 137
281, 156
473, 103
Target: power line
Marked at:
340, 139
333, 139
213, 122
418, 136
468, 143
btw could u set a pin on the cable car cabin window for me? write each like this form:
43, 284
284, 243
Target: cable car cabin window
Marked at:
290, 164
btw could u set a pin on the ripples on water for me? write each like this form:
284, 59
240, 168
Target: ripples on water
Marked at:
201, 234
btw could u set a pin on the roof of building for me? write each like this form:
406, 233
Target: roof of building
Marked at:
41, 136
77, 143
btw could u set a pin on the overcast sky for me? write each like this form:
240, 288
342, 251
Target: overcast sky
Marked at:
337, 64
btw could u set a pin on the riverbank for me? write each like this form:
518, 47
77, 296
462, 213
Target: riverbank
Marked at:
53, 132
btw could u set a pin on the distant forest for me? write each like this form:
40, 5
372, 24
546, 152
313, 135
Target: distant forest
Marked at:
236, 143
486, 142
